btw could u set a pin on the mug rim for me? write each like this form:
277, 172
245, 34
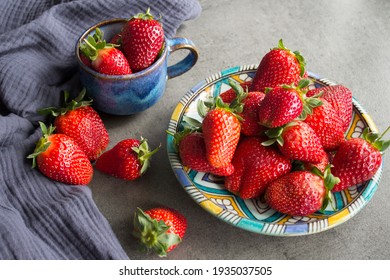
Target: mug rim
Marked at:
131, 76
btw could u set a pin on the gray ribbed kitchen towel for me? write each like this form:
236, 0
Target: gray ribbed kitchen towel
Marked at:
40, 218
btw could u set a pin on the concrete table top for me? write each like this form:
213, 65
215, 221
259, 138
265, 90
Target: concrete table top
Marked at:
345, 41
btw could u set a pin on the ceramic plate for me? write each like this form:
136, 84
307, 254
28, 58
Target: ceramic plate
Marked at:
253, 214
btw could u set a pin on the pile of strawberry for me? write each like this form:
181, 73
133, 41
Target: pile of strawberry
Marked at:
275, 138
81, 139
135, 48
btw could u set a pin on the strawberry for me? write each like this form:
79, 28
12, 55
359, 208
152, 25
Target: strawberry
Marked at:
128, 160
284, 103
280, 106
192, 151
221, 128
279, 66
340, 98
142, 40
358, 159
297, 141
250, 106
327, 125
250, 125
221, 131
81, 122
255, 166
105, 58
300, 193
60, 158
159, 229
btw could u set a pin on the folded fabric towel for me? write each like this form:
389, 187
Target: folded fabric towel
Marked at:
40, 218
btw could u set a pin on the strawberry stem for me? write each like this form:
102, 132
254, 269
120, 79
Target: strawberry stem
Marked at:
145, 16
375, 139
42, 144
298, 56
94, 43
144, 154
309, 103
152, 234
237, 104
68, 106
383, 134
329, 181
274, 135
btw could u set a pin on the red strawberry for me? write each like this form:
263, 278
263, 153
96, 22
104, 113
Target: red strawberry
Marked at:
192, 151
284, 103
142, 40
327, 125
221, 131
250, 124
279, 66
128, 160
255, 166
159, 229
280, 106
105, 58
300, 193
340, 98
60, 158
249, 103
297, 141
81, 122
358, 159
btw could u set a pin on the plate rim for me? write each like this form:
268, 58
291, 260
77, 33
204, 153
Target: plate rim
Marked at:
253, 225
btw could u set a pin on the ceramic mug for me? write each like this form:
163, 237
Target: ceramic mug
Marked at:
132, 93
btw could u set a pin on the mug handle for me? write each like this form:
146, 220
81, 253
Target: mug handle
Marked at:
186, 63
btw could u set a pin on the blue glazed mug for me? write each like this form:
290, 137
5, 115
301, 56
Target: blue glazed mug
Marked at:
133, 93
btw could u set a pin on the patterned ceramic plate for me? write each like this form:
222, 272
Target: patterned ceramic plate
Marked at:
253, 214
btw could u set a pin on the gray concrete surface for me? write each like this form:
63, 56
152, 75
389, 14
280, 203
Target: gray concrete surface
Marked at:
346, 41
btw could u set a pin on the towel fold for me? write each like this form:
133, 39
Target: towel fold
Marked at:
40, 218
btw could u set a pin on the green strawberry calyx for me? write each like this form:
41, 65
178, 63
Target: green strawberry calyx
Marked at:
75, 103
309, 103
275, 134
144, 154
91, 46
152, 234
375, 139
329, 181
145, 16
235, 107
42, 144
297, 54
